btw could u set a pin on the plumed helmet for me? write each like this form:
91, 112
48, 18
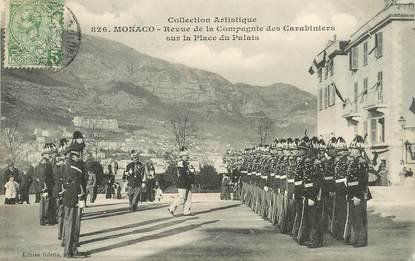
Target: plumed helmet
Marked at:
49, 148
340, 143
77, 135
332, 141
358, 142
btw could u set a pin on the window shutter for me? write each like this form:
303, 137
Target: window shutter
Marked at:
354, 58
379, 44
373, 132
365, 51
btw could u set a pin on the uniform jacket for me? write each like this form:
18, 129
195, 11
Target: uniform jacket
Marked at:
136, 174
185, 177
357, 178
73, 175
44, 172
58, 169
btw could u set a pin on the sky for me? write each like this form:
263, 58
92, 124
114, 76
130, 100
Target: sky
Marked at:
276, 57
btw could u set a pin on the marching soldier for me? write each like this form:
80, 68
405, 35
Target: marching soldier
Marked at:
136, 176
357, 195
184, 185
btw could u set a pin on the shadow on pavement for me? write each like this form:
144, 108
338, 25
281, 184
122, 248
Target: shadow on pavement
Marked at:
167, 233
212, 210
119, 211
137, 231
105, 205
388, 240
147, 222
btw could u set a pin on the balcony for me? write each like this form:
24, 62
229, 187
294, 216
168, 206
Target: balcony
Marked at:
351, 111
374, 101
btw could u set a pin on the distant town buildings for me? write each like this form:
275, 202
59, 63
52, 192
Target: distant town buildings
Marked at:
104, 124
365, 86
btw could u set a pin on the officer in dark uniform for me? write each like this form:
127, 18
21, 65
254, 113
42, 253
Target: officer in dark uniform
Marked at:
357, 195
184, 184
136, 175
25, 184
44, 175
73, 195
58, 172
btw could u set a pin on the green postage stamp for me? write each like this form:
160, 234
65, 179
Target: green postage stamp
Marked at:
34, 30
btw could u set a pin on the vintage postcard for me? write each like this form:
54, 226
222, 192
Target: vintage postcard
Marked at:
207, 130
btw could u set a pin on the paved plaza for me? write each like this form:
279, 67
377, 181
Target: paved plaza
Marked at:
220, 230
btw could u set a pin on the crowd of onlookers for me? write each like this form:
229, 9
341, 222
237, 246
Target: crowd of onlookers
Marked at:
19, 184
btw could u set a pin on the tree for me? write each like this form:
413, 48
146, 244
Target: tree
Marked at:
208, 178
263, 128
182, 127
94, 137
11, 137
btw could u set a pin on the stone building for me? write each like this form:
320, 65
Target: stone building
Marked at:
365, 86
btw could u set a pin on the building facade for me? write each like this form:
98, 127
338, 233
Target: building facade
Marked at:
366, 86
104, 124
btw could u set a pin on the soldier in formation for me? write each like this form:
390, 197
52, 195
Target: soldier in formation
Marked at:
306, 187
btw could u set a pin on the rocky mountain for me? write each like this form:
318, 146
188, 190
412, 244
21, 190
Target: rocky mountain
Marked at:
108, 79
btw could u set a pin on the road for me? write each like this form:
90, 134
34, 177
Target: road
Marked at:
220, 230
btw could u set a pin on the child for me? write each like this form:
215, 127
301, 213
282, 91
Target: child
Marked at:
11, 191
159, 192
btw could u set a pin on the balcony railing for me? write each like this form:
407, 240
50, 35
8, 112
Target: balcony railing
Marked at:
351, 111
374, 100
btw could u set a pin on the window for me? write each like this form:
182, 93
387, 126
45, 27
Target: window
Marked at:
364, 92
380, 87
356, 97
377, 130
365, 51
320, 75
320, 99
379, 44
331, 94
354, 58
331, 67
325, 97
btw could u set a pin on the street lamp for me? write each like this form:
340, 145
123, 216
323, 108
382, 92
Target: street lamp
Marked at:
402, 122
